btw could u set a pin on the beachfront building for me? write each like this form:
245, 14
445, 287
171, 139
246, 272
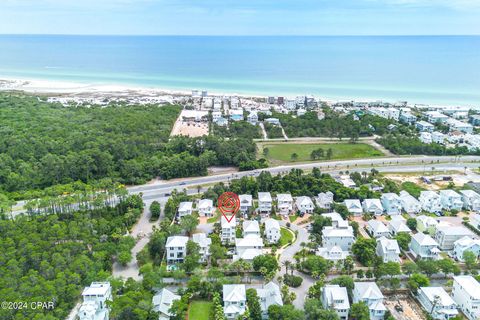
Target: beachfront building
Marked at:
324, 200
471, 200
388, 250
466, 293
426, 224
246, 203
409, 203
369, 293
234, 300
391, 203
94, 305
185, 209
204, 243
264, 203
272, 231
269, 295
424, 126
205, 208
284, 203
176, 249
451, 200
422, 246
447, 235
335, 298
437, 303
251, 228
396, 226
430, 201
353, 206
162, 302
373, 206
465, 244
228, 230
377, 229
304, 205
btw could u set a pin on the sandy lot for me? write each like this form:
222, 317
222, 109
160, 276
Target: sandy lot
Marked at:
189, 129
411, 310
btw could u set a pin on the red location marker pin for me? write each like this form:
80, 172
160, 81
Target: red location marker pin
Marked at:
228, 204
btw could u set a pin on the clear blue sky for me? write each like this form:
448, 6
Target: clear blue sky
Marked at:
241, 17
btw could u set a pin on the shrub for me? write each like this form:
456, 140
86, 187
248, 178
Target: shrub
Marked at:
292, 280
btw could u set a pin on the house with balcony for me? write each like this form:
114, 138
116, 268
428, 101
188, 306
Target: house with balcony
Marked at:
185, 209
465, 244
269, 295
176, 249
353, 206
471, 200
422, 246
246, 203
377, 229
423, 126
272, 231
391, 203
373, 206
447, 235
162, 302
95, 302
451, 200
335, 298
264, 203
466, 293
437, 303
228, 230
284, 203
396, 226
304, 205
251, 228
332, 254
205, 208
204, 243
369, 293
324, 200
430, 201
426, 224
234, 300
248, 248
409, 203
340, 237
336, 218
388, 250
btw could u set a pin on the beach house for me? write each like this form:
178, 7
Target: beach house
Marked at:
162, 302
204, 243
264, 203
341, 237
396, 226
391, 203
409, 203
205, 208
353, 206
335, 298
336, 218
284, 203
437, 303
466, 293
185, 209
228, 230
246, 203
430, 201
324, 200
234, 300
251, 228
95, 298
176, 249
471, 200
426, 224
424, 126
272, 231
436, 117
304, 205
373, 206
451, 200
447, 235
422, 246
370, 294
465, 244
248, 248
388, 250
333, 254
377, 229
269, 295
475, 220
252, 117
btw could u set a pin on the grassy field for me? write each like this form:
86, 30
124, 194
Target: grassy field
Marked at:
282, 152
199, 310
285, 237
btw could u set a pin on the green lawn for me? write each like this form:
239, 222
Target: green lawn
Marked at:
283, 151
292, 218
285, 236
199, 310
215, 218
412, 188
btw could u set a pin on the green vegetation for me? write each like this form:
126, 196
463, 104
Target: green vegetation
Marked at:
412, 188
273, 131
292, 218
240, 129
283, 151
286, 237
200, 310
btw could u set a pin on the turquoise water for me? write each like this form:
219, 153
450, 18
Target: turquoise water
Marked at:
420, 69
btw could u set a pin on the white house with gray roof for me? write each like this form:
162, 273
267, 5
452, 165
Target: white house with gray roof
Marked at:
369, 293
246, 202
353, 206
205, 208
324, 200
466, 293
335, 298
388, 250
437, 303
423, 246
234, 300
451, 200
373, 206
284, 203
447, 235
430, 201
391, 203
465, 244
228, 230
204, 243
162, 302
269, 295
251, 228
95, 298
264, 202
377, 229
471, 200
176, 249
304, 205
272, 231
409, 203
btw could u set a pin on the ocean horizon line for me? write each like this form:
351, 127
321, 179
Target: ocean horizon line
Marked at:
238, 35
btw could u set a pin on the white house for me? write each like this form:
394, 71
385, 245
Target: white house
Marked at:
438, 137
284, 203
204, 243
354, 206
396, 226
252, 117
475, 220
333, 254
425, 137
234, 300
205, 208
269, 295
324, 200
337, 220
251, 228
388, 249
272, 230
304, 205
437, 303
335, 298
264, 202
162, 302
424, 126
228, 230
451, 200
185, 209
176, 249
423, 246
377, 229
471, 200
369, 293
426, 223
341, 237
435, 116
391, 203
246, 203
447, 235
373, 206
409, 203
466, 293
466, 244
248, 248
94, 305
430, 201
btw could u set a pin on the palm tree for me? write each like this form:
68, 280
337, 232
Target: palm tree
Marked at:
287, 264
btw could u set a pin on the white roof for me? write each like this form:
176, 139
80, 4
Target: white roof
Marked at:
433, 292
226, 224
332, 253
428, 194
205, 203
353, 204
390, 196
96, 288
164, 300
373, 202
272, 224
377, 226
245, 199
176, 241
303, 201
249, 241
368, 290
201, 239
469, 193
470, 285
466, 242
251, 226
399, 226
388, 244
269, 295
248, 254
334, 216
424, 239
336, 293
337, 232
284, 197
454, 230
449, 193
264, 197
427, 220
185, 206
234, 292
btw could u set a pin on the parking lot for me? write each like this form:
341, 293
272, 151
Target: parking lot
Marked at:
407, 308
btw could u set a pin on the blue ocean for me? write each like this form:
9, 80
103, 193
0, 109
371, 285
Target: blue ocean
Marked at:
419, 69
